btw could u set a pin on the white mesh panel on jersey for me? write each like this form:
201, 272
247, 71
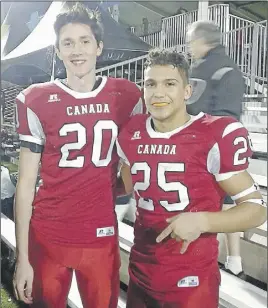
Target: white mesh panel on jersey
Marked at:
213, 164
231, 127
138, 108
37, 133
226, 176
121, 154
214, 159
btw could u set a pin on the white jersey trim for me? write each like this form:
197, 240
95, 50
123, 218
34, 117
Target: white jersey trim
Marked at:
21, 97
213, 159
227, 175
241, 194
31, 139
37, 133
231, 128
81, 95
138, 108
35, 126
153, 134
121, 154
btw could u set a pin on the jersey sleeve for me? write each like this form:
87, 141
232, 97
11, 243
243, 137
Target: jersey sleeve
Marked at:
232, 150
138, 101
139, 108
121, 146
28, 124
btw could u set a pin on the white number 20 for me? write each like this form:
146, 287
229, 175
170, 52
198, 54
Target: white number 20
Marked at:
81, 132
162, 169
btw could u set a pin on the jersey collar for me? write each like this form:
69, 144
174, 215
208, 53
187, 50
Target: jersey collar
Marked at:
153, 134
81, 95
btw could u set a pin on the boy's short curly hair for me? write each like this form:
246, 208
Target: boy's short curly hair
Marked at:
169, 57
80, 14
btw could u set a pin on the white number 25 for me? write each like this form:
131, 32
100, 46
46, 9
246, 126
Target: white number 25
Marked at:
162, 170
244, 148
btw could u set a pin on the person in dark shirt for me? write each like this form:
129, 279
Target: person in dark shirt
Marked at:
218, 84
218, 88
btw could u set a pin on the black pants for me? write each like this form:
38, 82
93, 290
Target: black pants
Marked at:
7, 206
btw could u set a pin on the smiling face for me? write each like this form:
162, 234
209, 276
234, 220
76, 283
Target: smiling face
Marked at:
165, 91
78, 49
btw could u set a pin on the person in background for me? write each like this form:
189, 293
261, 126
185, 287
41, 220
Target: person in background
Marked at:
218, 89
7, 193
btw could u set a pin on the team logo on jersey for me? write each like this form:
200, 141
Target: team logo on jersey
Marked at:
190, 281
53, 98
108, 231
136, 135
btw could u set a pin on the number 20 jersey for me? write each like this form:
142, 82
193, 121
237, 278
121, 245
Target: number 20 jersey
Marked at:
79, 160
177, 172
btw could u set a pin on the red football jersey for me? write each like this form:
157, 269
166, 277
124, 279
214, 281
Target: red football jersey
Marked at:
79, 161
177, 172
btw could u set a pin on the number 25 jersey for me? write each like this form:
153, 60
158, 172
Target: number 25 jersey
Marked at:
79, 160
177, 172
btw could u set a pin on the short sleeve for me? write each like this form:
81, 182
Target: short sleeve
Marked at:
120, 152
139, 107
122, 146
232, 150
28, 124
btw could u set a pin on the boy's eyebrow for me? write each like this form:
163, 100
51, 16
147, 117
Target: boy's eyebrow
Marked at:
81, 37
168, 79
85, 36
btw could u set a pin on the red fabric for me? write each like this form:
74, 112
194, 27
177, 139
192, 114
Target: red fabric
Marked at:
163, 192
76, 200
96, 270
206, 295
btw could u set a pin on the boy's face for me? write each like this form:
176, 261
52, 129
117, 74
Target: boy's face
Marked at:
78, 49
165, 91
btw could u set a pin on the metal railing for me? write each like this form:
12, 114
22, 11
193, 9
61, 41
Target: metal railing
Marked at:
152, 27
153, 39
245, 41
247, 46
238, 22
171, 31
131, 69
254, 106
174, 29
8, 96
